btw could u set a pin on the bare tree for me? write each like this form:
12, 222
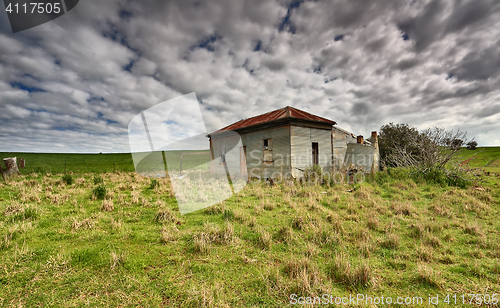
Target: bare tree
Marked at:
430, 148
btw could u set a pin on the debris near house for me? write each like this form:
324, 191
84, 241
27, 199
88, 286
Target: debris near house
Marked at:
11, 167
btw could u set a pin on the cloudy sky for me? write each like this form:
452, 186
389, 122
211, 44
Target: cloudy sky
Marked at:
75, 83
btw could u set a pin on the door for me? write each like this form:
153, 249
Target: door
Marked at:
243, 160
315, 153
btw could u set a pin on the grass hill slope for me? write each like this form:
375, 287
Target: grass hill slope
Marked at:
60, 246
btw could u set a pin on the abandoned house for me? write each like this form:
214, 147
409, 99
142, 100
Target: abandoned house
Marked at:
284, 142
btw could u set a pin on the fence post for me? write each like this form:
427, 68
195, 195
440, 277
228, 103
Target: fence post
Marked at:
114, 166
64, 167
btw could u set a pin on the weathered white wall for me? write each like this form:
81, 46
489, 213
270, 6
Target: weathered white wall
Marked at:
361, 156
301, 148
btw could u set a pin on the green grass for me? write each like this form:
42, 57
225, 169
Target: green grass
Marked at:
487, 158
102, 163
389, 236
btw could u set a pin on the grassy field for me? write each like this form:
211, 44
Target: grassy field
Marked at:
389, 236
102, 163
487, 158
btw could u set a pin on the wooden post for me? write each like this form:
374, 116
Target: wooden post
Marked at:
64, 167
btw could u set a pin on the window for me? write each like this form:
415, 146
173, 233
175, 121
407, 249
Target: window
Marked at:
268, 150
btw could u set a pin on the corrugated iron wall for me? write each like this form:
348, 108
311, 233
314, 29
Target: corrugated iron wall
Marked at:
301, 148
339, 148
361, 156
280, 150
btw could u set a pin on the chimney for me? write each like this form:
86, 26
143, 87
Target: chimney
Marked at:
360, 139
374, 135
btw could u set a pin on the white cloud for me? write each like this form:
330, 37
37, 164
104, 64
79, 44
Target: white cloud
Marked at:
88, 73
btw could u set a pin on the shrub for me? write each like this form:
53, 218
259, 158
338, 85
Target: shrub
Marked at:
228, 215
313, 174
441, 177
404, 146
98, 180
471, 145
99, 192
68, 179
390, 174
154, 184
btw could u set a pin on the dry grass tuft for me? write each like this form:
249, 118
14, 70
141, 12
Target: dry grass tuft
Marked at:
205, 297
402, 208
342, 272
304, 273
267, 204
298, 223
336, 222
13, 208
240, 216
20, 212
117, 259
441, 210
258, 210
372, 223
425, 253
107, 206
265, 241
134, 197
285, 234
391, 241
426, 275
365, 248
169, 234
252, 222
432, 241
417, 230
165, 215
213, 234
215, 209
80, 182
473, 229
59, 262
87, 223
116, 224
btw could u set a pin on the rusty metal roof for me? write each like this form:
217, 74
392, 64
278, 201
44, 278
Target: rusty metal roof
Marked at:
287, 112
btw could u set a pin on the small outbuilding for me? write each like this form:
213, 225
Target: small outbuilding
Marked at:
284, 142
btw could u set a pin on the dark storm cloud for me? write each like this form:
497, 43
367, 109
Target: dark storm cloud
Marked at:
480, 64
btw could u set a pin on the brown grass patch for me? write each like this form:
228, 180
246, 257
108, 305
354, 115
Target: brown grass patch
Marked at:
87, 223
107, 206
